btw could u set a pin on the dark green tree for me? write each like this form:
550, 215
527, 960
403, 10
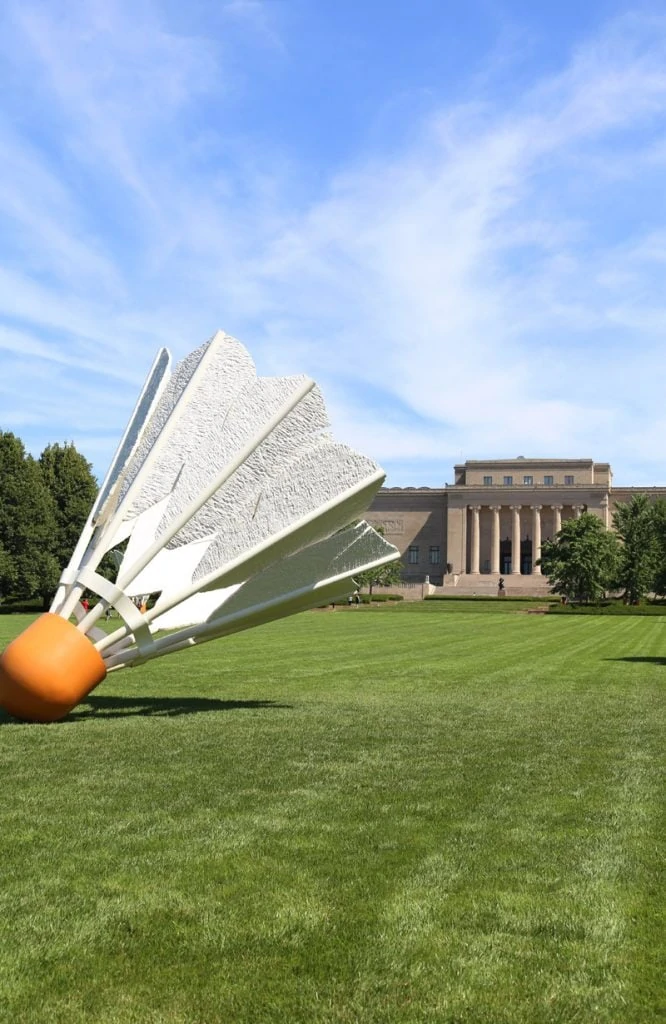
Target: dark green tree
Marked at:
27, 524
659, 520
581, 562
69, 478
634, 523
7, 573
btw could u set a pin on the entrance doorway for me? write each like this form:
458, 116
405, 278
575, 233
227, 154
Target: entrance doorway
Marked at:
505, 557
526, 557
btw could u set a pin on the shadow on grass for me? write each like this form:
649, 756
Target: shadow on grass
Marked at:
640, 658
123, 707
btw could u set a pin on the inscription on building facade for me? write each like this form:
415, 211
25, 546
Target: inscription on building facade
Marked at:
389, 526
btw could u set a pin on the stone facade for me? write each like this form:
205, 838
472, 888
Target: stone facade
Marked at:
491, 521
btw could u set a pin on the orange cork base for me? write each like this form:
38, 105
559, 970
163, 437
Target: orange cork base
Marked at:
48, 670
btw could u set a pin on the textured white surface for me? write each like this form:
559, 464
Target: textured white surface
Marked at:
185, 428
295, 519
312, 577
234, 501
298, 432
140, 416
350, 551
335, 556
303, 485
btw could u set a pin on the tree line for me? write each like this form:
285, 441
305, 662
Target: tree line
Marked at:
585, 562
44, 504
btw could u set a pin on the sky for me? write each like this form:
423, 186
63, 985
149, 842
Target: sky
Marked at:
451, 215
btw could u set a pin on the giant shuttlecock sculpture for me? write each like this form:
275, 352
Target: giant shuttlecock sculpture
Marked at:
228, 501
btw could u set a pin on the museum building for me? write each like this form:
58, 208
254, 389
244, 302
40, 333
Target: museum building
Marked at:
492, 519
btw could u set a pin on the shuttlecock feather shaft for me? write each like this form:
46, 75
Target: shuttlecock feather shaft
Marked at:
68, 594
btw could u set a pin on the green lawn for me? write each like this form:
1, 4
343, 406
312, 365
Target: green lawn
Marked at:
412, 814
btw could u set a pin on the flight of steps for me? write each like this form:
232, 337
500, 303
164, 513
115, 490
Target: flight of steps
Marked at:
486, 584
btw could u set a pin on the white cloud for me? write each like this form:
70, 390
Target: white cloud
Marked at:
475, 277
465, 280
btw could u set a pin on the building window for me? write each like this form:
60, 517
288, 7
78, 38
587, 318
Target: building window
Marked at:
413, 554
568, 480
434, 556
528, 480
487, 480
508, 481
548, 481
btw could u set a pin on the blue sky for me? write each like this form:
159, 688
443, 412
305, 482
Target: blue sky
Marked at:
452, 216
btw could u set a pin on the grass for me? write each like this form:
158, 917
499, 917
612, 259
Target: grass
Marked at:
383, 815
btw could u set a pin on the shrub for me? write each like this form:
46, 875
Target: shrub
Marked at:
607, 608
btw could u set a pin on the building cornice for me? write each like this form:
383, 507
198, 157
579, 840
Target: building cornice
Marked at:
413, 490
523, 488
481, 463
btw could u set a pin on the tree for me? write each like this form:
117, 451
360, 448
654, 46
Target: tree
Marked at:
659, 521
69, 478
388, 575
27, 524
581, 562
7, 573
634, 524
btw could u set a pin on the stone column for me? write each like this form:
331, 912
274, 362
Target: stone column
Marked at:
557, 515
474, 556
495, 540
604, 511
536, 539
515, 540
577, 510
456, 551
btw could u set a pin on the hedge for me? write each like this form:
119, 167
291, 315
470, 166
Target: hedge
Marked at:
608, 609
31, 607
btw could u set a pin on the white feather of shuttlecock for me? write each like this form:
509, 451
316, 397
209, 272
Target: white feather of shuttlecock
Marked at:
315, 576
231, 498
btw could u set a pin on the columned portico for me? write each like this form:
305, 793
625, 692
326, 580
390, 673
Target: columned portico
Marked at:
474, 527
536, 539
488, 555
486, 550
515, 540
